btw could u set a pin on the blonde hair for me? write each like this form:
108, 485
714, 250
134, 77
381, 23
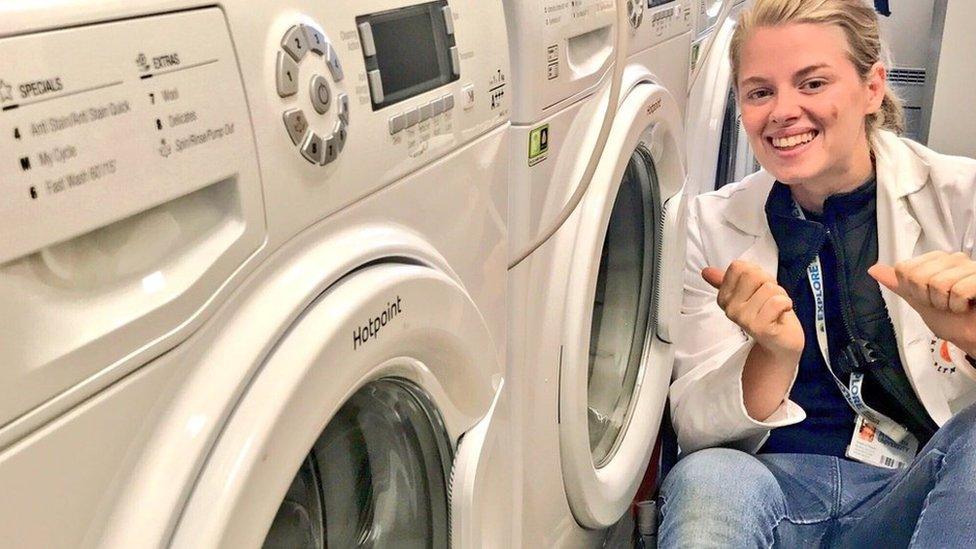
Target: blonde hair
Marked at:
859, 22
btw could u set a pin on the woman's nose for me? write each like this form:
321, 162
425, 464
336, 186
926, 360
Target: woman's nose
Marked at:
786, 107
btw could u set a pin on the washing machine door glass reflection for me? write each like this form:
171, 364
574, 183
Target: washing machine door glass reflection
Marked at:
376, 477
624, 305
735, 158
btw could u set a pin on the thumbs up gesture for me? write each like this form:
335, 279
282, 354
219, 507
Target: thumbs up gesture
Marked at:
752, 299
941, 287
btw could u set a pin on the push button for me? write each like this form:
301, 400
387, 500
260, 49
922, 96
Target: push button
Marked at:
455, 61
448, 19
436, 106
295, 42
316, 40
330, 150
343, 101
413, 117
376, 85
332, 60
340, 136
397, 124
296, 124
448, 101
286, 75
312, 148
320, 94
425, 112
467, 96
366, 39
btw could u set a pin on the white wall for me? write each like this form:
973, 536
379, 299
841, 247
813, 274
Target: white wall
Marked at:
949, 112
907, 31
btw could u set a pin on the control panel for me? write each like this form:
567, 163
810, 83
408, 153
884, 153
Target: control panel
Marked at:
394, 82
321, 142
662, 21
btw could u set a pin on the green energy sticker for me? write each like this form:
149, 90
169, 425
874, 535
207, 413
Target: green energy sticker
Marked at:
538, 144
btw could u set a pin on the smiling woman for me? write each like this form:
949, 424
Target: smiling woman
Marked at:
789, 350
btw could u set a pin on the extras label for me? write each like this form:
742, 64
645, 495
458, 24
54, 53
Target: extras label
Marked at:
371, 328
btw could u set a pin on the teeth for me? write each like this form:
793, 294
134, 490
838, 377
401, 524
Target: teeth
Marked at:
793, 140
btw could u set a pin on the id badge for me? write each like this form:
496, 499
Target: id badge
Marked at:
870, 445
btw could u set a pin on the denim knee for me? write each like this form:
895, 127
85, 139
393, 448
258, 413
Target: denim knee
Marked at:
957, 438
720, 478
720, 498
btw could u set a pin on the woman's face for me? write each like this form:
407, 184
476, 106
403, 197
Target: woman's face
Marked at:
803, 104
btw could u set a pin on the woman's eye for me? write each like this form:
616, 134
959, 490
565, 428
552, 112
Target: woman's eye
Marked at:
756, 95
814, 84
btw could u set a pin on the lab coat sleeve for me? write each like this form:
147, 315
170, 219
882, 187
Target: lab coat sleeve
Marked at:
707, 406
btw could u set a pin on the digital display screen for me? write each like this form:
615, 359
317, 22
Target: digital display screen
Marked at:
405, 52
656, 3
412, 51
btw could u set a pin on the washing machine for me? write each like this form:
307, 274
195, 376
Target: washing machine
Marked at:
719, 152
592, 307
253, 274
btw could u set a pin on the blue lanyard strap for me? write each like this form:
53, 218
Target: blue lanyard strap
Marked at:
853, 391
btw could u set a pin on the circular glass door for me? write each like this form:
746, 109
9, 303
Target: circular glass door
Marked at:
376, 477
624, 304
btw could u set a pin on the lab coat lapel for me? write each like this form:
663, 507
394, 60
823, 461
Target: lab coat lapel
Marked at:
900, 173
743, 214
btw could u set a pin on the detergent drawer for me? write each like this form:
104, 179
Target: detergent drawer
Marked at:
131, 194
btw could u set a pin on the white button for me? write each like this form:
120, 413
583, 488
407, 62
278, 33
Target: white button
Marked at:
343, 101
340, 136
366, 39
455, 61
296, 124
295, 42
376, 85
448, 19
398, 123
286, 74
467, 96
413, 117
425, 112
319, 91
436, 106
330, 151
448, 101
332, 60
316, 40
312, 148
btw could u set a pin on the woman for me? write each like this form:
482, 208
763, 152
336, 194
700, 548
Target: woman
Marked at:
814, 405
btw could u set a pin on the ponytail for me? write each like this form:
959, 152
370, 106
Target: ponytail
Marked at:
891, 115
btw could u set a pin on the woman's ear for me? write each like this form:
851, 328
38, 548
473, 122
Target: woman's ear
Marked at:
877, 81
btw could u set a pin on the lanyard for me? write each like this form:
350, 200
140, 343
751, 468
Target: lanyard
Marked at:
852, 391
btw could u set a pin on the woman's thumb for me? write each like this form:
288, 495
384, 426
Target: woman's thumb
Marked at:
885, 275
713, 276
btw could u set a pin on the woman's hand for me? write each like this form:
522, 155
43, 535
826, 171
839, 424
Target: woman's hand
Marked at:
752, 299
941, 287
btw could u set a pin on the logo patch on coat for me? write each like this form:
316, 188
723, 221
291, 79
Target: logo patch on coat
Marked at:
942, 356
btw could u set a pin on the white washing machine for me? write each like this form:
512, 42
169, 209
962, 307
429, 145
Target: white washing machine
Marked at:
591, 309
253, 274
718, 147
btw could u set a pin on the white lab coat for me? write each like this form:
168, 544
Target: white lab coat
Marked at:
925, 202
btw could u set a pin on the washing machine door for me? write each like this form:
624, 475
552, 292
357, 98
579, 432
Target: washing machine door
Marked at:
349, 434
626, 264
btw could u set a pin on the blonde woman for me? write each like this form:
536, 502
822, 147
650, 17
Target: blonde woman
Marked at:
824, 372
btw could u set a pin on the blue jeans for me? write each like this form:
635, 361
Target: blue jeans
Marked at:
726, 498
